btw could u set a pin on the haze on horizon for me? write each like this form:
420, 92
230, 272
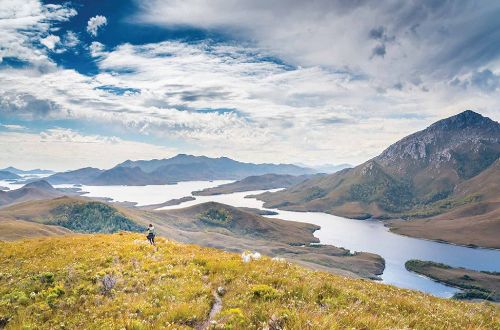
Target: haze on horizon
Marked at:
86, 83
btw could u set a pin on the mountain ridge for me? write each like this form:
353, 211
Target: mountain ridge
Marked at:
415, 172
171, 170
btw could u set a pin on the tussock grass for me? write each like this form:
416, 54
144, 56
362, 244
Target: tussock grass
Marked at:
117, 281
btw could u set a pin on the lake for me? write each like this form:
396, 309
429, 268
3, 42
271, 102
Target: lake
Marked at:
355, 235
373, 236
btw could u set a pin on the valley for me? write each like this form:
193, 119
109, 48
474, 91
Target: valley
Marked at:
290, 216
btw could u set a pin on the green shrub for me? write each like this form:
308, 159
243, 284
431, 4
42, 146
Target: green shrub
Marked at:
93, 217
263, 291
216, 216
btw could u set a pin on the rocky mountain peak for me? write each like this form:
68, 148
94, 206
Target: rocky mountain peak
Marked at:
465, 119
439, 141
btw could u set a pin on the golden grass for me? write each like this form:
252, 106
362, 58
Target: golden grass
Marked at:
68, 283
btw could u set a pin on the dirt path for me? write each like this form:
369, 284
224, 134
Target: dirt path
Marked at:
216, 308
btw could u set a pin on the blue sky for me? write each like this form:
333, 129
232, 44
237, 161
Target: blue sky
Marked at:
92, 83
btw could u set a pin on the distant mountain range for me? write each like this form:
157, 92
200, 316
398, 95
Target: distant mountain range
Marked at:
424, 174
18, 171
256, 182
179, 168
6, 175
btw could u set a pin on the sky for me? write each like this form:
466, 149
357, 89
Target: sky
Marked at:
93, 83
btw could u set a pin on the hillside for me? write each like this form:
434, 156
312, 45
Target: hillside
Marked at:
245, 230
61, 216
235, 229
428, 173
117, 281
476, 285
254, 182
81, 176
36, 190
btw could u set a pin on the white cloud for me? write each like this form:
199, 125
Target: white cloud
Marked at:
332, 104
389, 42
62, 149
13, 127
96, 49
23, 23
95, 23
50, 41
281, 114
70, 39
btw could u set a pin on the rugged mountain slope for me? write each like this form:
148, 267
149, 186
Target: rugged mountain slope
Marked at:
117, 282
6, 175
32, 191
412, 174
255, 182
470, 217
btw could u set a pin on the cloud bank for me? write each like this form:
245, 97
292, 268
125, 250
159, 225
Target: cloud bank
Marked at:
320, 82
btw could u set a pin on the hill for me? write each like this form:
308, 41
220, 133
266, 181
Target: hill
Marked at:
236, 229
73, 214
254, 182
81, 176
245, 230
476, 285
36, 190
473, 219
117, 281
6, 175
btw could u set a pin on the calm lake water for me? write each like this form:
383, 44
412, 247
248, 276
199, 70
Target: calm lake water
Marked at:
373, 236
355, 235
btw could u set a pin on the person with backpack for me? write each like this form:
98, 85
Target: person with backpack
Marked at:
151, 234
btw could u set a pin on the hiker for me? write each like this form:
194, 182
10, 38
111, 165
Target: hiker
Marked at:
151, 234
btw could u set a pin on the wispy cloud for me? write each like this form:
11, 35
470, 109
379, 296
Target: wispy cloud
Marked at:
23, 24
95, 23
301, 84
63, 149
427, 40
13, 127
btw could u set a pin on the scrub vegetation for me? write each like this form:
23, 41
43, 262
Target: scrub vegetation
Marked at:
118, 281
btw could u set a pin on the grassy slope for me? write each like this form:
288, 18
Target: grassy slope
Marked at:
11, 229
76, 214
476, 284
247, 231
59, 283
